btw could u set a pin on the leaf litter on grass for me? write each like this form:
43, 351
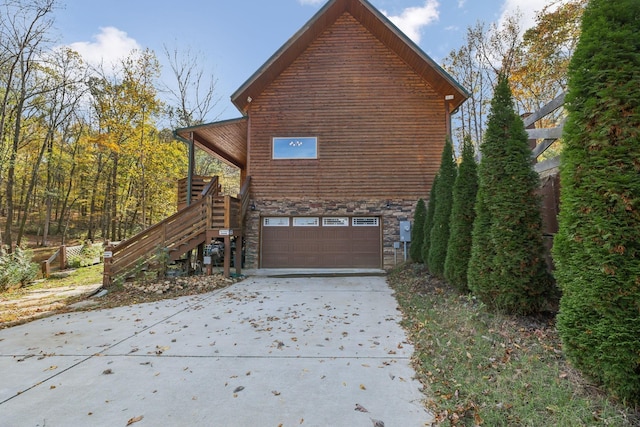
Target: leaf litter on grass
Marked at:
483, 368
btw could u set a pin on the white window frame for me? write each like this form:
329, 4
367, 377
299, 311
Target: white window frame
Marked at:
365, 221
335, 221
306, 221
294, 140
275, 221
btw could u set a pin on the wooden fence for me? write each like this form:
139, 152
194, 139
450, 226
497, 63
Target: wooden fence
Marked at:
62, 255
548, 170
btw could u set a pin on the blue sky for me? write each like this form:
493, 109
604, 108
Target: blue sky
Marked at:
233, 38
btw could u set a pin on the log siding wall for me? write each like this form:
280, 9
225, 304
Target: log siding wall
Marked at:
380, 127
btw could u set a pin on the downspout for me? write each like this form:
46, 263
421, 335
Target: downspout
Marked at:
190, 144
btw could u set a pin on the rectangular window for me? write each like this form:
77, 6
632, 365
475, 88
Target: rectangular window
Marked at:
306, 221
365, 221
276, 221
295, 148
335, 222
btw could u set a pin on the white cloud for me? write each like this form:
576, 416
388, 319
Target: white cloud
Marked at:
108, 48
413, 19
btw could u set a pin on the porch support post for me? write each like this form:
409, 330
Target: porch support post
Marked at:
192, 161
237, 259
227, 257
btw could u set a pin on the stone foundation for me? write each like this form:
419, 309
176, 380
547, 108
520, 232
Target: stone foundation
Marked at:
391, 212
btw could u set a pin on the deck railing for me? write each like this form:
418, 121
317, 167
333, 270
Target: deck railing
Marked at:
177, 234
181, 232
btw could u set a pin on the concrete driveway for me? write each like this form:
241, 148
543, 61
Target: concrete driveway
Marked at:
312, 351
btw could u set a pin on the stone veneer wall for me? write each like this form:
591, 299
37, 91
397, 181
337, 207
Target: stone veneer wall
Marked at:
397, 210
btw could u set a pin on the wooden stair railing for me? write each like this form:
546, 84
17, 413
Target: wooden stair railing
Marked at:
179, 233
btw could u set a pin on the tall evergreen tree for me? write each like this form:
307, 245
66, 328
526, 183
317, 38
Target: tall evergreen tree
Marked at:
417, 232
428, 221
597, 248
482, 248
515, 278
444, 198
461, 222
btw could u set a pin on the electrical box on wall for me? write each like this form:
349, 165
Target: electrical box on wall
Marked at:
405, 231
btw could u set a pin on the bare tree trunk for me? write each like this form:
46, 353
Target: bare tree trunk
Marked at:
11, 173
32, 184
65, 200
114, 197
92, 207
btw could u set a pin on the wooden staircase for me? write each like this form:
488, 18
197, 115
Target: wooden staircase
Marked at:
211, 216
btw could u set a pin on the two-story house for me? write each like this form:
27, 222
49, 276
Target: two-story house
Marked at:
341, 132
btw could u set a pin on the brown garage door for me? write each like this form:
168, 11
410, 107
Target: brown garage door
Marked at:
321, 242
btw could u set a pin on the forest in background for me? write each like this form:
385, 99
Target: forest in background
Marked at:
87, 153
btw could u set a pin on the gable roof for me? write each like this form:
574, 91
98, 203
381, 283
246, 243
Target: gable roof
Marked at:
378, 25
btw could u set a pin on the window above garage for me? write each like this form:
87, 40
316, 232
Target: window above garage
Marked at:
295, 148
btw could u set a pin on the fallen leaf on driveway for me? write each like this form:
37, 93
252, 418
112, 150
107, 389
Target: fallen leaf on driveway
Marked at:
135, 420
107, 372
239, 388
377, 423
360, 408
161, 349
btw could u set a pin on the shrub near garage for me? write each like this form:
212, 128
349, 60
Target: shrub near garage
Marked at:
428, 221
509, 272
441, 216
597, 247
462, 216
417, 232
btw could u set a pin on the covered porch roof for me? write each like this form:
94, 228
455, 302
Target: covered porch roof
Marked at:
225, 140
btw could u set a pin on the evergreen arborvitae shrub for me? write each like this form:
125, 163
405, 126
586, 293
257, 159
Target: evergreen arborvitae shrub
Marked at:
597, 248
428, 221
482, 250
514, 277
442, 213
417, 232
461, 222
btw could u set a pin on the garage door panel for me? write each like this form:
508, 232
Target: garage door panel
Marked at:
321, 246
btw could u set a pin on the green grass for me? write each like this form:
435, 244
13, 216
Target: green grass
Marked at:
481, 368
80, 276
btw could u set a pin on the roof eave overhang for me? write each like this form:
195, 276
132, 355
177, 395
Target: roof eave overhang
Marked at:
225, 140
